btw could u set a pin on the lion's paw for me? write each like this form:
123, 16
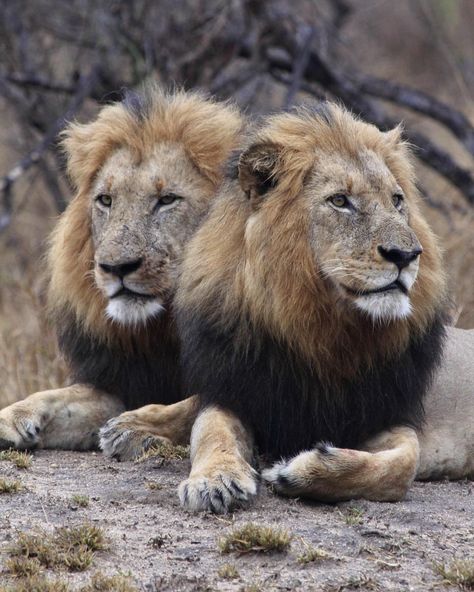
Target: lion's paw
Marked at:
219, 493
122, 440
290, 477
20, 427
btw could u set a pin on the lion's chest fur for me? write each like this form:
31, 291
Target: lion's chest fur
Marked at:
138, 373
286, 404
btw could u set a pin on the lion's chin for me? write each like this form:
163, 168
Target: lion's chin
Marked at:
385, 307
133, 312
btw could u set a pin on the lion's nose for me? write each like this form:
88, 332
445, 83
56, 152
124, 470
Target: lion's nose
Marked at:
121, 269
400, 257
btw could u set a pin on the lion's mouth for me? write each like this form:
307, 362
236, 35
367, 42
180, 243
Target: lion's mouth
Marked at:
396, 285
125, 292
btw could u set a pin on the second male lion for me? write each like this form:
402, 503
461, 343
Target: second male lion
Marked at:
145, 172
311, 310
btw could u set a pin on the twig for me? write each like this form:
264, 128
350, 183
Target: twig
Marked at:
420, 102
300, 65
41, 83
84, 88
342, 86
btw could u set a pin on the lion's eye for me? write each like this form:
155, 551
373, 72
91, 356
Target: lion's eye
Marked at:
340, 201
104, 199
168, 199
397, 199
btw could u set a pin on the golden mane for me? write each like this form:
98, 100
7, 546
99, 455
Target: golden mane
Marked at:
266, 272
264, 335
207, 131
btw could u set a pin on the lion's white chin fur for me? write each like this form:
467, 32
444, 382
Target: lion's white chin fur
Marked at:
133, 312
388, 306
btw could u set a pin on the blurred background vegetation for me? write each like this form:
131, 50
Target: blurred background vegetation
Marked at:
410, 61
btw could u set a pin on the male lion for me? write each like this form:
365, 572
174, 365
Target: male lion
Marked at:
145, 171
310, 310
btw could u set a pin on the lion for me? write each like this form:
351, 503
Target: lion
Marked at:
445, 440
311, 310
145, 172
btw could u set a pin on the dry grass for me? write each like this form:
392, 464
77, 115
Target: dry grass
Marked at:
165, 451
312, 554
153, 485
102, 583
80, 500
255, 538
354, 516
71, 548
36, 584
98, 583
29, 357
22, 567
228, 572
458, 573
7, 486
354, 583
22, 460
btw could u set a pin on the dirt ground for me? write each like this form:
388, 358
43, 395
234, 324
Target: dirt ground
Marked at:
369, 546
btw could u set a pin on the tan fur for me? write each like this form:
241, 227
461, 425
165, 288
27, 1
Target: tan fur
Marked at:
55, 418
221, 454
177, 144
127, 436
206, 132
276, 283
447, 438
382, 473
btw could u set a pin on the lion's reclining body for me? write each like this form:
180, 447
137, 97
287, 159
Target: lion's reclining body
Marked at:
316, 288
447, 435
145, 171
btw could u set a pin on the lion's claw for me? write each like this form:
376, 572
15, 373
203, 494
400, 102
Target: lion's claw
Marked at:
119, 439
218, 494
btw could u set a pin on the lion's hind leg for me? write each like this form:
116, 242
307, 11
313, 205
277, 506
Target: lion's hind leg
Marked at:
130, 434
382, 472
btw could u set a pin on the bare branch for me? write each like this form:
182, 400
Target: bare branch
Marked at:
342, 86
85, 86
37, 82
300, 64
422, 103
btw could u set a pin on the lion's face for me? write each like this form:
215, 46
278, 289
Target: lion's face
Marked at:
143, 214
360, 233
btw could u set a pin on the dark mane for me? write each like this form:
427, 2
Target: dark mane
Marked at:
283, 400
141, 370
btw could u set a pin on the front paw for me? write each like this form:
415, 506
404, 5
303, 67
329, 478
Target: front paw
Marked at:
121, 438
20, 427
218, 493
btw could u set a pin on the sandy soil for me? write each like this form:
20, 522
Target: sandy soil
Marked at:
371, 546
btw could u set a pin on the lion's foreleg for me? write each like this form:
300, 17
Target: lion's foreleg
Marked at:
130, 434
64, 418
383, 471
222, 476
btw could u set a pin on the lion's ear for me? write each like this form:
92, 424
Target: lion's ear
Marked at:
394, 136
258, 169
